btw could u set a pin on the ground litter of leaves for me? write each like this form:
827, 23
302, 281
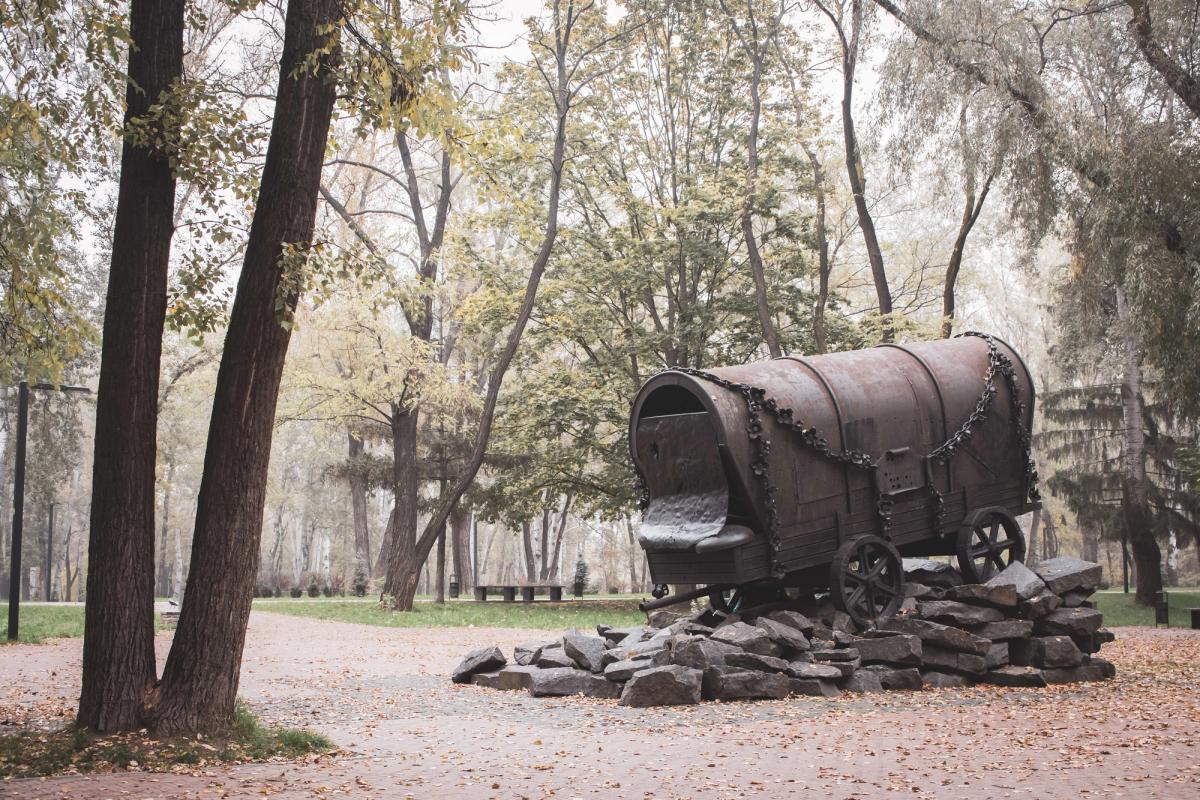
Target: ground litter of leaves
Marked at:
404, 731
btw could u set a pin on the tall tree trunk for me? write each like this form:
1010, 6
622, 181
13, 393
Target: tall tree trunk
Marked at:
200, 680
560, 530
402, 524
118, 638
358, 507
403, 573
527, 545
757, 272
460, 541
854, 165
972, 206
164, 573
544, 538
635, 553
1135, 502
824, 268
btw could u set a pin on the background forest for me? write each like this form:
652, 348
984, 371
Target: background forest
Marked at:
648, 183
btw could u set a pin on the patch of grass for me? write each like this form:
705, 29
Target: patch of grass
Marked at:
492, 614
34, 754
1119, 609
42, 621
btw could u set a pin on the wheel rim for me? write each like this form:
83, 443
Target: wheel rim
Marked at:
992, 542
868, 580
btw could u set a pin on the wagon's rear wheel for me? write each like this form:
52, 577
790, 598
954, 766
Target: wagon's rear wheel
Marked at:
722, 600
988, 541
867, 579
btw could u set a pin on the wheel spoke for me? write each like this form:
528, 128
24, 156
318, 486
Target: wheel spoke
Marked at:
855, 596
995, 531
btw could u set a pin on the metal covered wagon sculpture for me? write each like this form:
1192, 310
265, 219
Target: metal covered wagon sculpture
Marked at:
818, 474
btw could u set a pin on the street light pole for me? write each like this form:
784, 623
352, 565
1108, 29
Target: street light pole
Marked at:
14, 579
14, 583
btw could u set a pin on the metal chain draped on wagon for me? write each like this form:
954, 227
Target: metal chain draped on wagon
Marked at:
817, 474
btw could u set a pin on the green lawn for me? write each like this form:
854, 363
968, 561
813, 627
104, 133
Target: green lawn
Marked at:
41, 622
1119, 609
492, 614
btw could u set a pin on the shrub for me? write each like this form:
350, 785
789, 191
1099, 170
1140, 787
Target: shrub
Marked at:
327, 590
313, 589
297, 591
361, 583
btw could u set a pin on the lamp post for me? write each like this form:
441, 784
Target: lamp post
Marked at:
14, 583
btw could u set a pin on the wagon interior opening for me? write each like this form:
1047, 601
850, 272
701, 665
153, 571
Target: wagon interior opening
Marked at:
676, 400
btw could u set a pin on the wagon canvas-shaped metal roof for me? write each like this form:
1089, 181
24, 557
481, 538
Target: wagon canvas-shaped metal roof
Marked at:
819, 473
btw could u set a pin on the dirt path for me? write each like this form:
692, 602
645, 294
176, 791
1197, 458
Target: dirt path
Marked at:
383, 695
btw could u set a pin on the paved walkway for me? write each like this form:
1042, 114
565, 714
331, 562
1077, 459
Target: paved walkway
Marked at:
406, 732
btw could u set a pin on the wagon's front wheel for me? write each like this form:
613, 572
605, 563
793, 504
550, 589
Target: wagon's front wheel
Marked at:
867, 580
989, 540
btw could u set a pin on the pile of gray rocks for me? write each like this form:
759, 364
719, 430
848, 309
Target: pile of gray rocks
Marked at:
1024, 627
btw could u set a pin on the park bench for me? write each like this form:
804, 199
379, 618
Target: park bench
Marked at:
509, 592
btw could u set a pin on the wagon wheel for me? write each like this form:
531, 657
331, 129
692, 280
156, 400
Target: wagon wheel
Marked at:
722, 600
988, 541
867, 577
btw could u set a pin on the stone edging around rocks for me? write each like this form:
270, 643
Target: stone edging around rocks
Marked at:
1024, 627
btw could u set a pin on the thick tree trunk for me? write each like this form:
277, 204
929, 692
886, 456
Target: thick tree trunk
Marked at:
856, 175
200, 680
757, 272
358, 508
402, 524
635, 553
1135, 503
820, 335
404, 578
1181, 81
460, 536
527, 547
164, 571
118, 639
556, 553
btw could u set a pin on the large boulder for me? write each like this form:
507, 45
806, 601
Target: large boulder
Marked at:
527, 654
793, 619
1070, 622
563, 681
939, 635
953, 612
1005, 629
812, 671
702, 653
1084, 672
933, 679
997, 655
509, 679
1044, 651
814, 687
734, 683
1016, 676
1024, 581
899, 649
621, 671
554, 658
931, 573
671, 685
755, 661
1000, 595
1040, 604
748, 638
1069, 574
953, 661
485, 659
862, 681
893, 679
624, 636
787, 636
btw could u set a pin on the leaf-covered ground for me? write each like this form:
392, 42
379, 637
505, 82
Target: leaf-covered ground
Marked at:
406, 732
